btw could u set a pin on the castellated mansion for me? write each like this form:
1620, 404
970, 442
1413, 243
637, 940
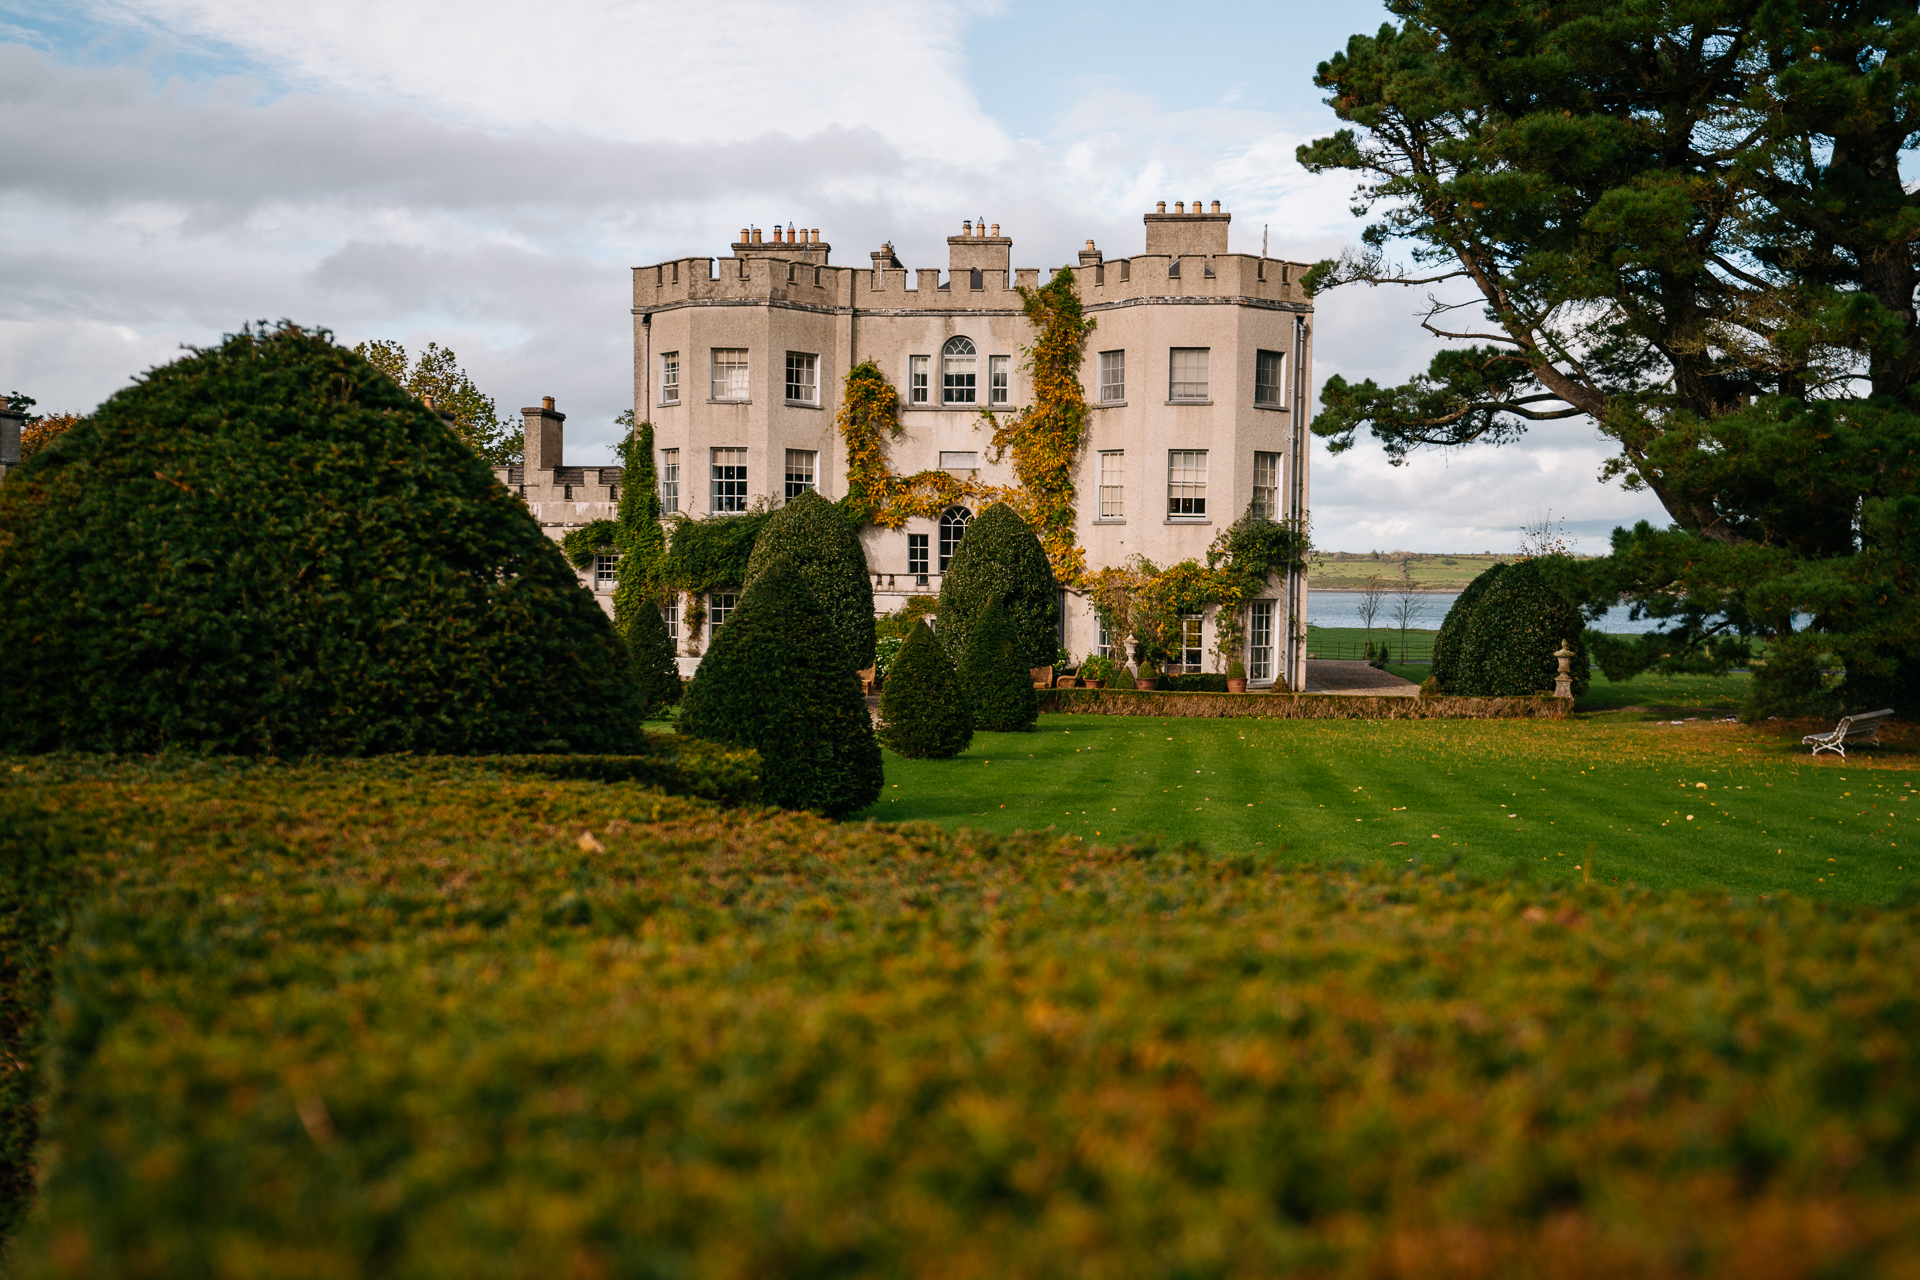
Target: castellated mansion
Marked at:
1197, 374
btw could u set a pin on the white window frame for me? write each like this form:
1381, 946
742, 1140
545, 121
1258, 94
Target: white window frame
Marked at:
669, 481
917, 379
959, 372
950, 546
1113, 377
1000, 380
803, 472
670, 377
1260, 640
718, 613
1193, 649
1112, 484
1186, 484
670, 613
604, 567
803, 378
918, 564
731, 377
1105, 645
1270, 393
1189, 374
726, 494
1266, 485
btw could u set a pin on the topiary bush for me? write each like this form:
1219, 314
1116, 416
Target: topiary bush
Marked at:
1516, 627
269, 548
825, 548
656, 672
769, 683
922, 713
1001, 557
1450, 643
994, 674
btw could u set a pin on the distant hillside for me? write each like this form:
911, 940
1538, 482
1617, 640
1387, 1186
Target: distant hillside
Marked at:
1350, 570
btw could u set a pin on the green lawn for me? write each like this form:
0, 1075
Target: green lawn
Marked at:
1606, 796
1351, 642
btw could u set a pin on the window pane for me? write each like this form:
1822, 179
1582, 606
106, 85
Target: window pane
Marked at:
953, 526
800, 471
670, 378
1113, 491
1191, 656
1187, 482
917, 380
719, 609
1266, 485
1260, 640
729, 373
999, 379
917, 556
603, 571
729, 480
671, 612
669, 480
1267, 384
1113, 375
1189, 374
802, 377
957, 363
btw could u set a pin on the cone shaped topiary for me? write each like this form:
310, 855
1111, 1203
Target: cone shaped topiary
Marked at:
1450, 645
1515, 629
995, 677
1000, 556
768, 682
268, 547
825, 547
655, 671
922, 714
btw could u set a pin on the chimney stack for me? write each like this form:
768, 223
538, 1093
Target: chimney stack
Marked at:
544, 428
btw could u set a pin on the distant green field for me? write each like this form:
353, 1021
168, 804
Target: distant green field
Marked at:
1433, 572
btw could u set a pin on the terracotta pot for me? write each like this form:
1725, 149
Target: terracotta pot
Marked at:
1094, 684
1236, 685
1149, 684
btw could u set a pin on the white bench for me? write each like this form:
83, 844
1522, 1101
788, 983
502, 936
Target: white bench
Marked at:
1861, 729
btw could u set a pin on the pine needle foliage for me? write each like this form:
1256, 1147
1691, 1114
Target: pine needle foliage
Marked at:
922, 713
767, 682
995, 674
1001, 558
825, 548
270, 548
1515, 630
1449, 646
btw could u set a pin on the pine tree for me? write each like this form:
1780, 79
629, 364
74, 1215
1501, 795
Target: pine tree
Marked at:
994, 674
769, 683
825, 548
1001, 557
922, 713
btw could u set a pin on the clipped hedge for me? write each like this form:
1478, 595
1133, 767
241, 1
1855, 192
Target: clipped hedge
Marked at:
923, 713
269, 547
1196, 682
1296, 706
1000, 556
1515, 629
1449, 645
825, 548
994, 675
767, 682
656, 671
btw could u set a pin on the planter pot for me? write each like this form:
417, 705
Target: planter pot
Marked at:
1094, 684
1236, 686
1149, 684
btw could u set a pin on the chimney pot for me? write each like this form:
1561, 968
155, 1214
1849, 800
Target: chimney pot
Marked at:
1216, 206
1161, 207
1179, 206
1089, 244
743, 235
546, 402
966, 228
996, 231
756, 235
816, 235
1198, 207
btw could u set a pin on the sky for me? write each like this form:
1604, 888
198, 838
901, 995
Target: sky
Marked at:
482, 174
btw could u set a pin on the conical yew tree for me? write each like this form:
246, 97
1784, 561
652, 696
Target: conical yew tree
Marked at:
994, 674
922, 713
769, 683
825, 549
655, 670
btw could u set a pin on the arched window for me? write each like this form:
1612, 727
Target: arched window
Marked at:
953, 527
957, 361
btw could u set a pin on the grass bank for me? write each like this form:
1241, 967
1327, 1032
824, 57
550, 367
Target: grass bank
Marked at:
429, 1020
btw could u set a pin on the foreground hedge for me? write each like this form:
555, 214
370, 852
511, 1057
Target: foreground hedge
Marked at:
1296, 706
332, 1022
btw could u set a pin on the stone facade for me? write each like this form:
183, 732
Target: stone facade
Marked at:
10, 425
563, 497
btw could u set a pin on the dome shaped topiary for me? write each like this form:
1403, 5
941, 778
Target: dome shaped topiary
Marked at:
922, 713
655, 671
1450, 644
1000, 556
994, 674
268, 547
768, 683
825, 548
1515, 629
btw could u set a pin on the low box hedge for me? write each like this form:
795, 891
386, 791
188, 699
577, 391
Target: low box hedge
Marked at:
1295, 706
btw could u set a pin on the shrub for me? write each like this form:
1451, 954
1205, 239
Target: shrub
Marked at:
656, 671
1198, 682
825, 549
1097, 668
1001, 557
269, 547
1516, 627
768, 683
922, 714
1450, 643
994, 674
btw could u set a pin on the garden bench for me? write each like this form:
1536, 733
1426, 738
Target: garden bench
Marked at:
867, 683
1042, 677
1863, 728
